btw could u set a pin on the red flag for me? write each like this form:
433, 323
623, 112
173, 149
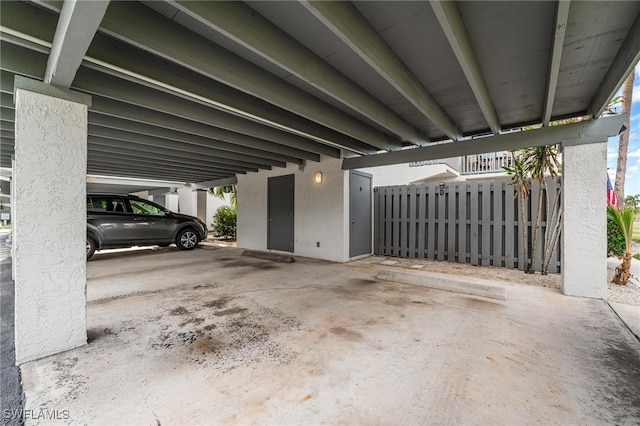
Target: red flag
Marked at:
611, 195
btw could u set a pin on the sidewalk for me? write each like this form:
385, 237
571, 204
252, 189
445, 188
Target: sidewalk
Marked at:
629, 314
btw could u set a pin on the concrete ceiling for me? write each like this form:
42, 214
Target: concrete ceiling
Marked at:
194, 91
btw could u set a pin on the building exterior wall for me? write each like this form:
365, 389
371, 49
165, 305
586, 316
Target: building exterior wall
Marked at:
320, 210
49, 225
584, 232
187, 201
403, 174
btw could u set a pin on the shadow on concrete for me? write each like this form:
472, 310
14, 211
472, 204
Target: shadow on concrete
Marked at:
12, 399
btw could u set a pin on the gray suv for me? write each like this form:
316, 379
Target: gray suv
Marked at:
116, 221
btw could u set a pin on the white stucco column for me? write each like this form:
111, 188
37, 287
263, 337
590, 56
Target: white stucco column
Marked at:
201, 206
49, 219
584, 233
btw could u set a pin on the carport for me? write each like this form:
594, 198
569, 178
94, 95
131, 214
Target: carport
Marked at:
212, 93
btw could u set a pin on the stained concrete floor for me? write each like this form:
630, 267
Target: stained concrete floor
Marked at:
212, 337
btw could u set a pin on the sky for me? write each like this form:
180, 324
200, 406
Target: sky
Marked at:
632, 181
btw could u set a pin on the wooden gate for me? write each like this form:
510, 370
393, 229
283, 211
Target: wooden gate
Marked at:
475, 222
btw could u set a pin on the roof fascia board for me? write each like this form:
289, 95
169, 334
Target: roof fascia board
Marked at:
448, 15
242, 24
587, 132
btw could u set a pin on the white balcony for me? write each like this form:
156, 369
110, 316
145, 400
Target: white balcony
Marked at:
486, 163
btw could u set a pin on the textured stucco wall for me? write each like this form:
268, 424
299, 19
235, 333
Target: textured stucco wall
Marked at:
187, 201
584, 241
49, 225
320, 210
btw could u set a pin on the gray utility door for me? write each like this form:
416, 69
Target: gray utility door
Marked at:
360, 213
280, 213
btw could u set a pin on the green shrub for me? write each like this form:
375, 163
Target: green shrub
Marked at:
615, 239
224, 222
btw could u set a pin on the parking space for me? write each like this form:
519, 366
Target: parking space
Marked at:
212, 337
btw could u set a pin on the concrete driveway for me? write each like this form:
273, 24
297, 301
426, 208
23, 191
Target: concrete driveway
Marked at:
212, 337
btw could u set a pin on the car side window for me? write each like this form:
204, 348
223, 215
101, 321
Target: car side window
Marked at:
140, 207
106, 204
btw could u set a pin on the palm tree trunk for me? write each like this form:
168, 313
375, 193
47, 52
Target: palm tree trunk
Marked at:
532, 254
623, 270
524, 224
623, 143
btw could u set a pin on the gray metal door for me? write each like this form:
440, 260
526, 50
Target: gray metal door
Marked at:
280, 213
360, 213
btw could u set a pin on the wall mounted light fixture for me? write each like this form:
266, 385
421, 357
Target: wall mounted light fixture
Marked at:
318, 177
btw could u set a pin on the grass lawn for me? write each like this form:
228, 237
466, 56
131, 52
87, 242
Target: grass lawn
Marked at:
636, 232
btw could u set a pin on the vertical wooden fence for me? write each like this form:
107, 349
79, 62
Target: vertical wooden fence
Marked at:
475, 222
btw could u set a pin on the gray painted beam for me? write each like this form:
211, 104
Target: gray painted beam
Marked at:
168, 148
7, 126
102, 147
172, 135
19, 60
133, 162
137, 174
112, 108
562, 16
143, 173
77, 24
157, 171
111, 87
623, 64
242, 24
587, 132
123, 22
153, 68
218, 182
132, 182
7, 114
450, 20
25, 19
345, 21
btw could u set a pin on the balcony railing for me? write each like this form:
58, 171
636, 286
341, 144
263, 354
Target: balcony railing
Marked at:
486, 163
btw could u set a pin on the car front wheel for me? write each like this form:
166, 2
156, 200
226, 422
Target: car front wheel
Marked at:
91, 247
187, 239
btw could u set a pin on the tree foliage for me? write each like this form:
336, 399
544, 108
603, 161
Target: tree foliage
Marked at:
624, 220
538, 164
615, 239
224, 222
221, 191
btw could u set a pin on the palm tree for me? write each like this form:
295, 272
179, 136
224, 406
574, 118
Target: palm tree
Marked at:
523, 189
623, 143
538, 162
624, 219
221, 191
632, 201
